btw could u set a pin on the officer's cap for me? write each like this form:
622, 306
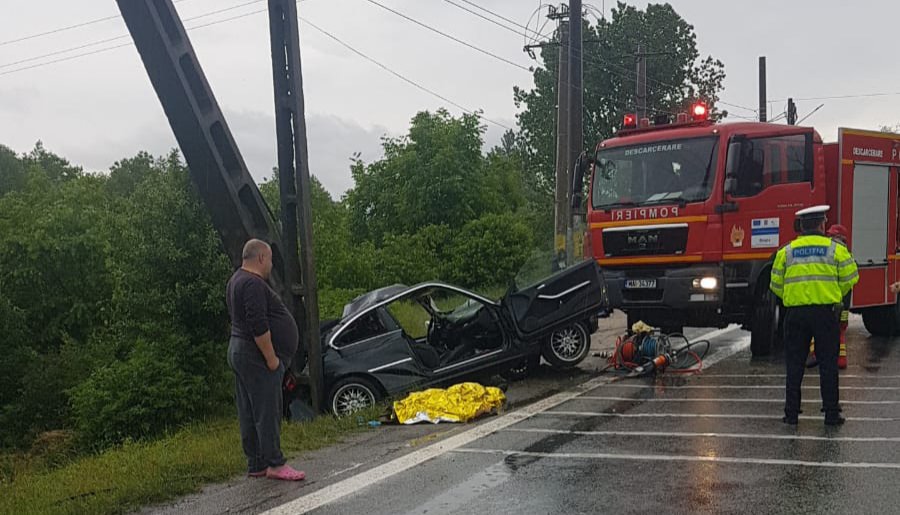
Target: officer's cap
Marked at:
812, 213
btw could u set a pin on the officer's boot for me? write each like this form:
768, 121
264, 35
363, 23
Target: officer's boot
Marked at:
830, 404
811, 359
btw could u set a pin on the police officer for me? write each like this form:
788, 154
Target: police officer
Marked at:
811, 275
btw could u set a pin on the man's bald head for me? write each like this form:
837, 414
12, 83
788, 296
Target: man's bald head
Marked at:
253, 248
257, 256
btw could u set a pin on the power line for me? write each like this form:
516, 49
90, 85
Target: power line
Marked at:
123, 45
118, 38
63, 29
473, 4
454, 38
396, 74
843, 97
483, 17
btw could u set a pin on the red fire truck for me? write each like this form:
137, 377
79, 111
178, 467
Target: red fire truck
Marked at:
686, 217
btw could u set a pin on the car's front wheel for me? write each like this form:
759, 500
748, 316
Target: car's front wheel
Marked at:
352, 394
567, 347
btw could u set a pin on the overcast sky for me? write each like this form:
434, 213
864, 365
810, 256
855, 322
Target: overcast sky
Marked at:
100, 108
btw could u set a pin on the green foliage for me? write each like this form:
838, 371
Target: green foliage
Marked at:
432, 176
490, 250
143, 395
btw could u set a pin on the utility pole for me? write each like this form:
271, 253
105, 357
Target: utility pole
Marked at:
640, 97
562, 142
762, 88
791, 112
576, 116
293, 171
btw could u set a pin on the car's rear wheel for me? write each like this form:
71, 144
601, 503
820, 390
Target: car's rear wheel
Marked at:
352, 394
567, 347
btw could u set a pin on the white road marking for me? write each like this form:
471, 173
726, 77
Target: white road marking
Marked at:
667, 457
369, 477
665, 434
701, 415
739, 387
715, 399
813, 375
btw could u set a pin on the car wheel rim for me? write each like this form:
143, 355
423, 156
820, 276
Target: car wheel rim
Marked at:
351, 398
568, 343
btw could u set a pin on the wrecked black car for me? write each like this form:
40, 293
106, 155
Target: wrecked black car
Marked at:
399, 339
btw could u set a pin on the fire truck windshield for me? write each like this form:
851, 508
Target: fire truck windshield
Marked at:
680, 171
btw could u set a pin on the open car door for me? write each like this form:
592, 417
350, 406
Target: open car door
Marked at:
567, 296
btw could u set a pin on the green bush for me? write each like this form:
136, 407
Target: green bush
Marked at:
142, 396
413, 258
490, 250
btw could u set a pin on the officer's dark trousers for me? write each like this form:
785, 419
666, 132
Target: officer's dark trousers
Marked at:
800, 325
258, 396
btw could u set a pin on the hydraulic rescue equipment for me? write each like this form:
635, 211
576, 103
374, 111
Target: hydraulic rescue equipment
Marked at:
647, 350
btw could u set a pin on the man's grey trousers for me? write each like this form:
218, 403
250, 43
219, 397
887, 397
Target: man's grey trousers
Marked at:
258, 396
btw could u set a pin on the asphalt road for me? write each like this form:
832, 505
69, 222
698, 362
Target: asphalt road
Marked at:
592, 443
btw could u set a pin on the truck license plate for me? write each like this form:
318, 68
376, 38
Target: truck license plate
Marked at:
636, 284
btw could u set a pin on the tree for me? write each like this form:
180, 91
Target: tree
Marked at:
674, 79
431, 176
12, 171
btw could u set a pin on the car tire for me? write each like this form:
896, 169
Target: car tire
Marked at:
352, 394
522, 368
566, 347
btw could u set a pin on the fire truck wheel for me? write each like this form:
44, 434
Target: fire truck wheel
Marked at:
882, 321
765, 333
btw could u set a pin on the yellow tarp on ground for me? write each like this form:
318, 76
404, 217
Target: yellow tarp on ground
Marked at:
459, 403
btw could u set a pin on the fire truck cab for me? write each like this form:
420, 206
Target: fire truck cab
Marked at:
686, 218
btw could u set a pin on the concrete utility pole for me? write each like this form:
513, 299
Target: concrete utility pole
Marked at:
762, 88
293, 170
562, 144
640, 97
576, 116
791, 112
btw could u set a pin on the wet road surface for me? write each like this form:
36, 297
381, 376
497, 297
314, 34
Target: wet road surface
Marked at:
711, 443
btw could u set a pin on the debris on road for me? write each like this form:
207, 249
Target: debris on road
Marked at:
460, 403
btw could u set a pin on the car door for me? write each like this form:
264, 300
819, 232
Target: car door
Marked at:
368, 347
567, 296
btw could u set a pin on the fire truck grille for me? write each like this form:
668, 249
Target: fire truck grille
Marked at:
645, 242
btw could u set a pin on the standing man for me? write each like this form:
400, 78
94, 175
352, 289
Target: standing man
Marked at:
811, 275
263, 341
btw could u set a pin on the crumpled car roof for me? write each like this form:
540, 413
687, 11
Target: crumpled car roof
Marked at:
371, 298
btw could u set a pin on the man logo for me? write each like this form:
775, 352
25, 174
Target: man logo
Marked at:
643, 240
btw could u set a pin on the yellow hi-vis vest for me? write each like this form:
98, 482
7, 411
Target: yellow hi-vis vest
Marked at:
813, 270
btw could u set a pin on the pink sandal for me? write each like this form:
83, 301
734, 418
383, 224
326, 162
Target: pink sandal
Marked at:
285, 473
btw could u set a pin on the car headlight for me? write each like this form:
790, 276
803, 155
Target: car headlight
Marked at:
706, 283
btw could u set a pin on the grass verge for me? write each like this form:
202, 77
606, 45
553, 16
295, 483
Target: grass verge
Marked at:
137, 474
